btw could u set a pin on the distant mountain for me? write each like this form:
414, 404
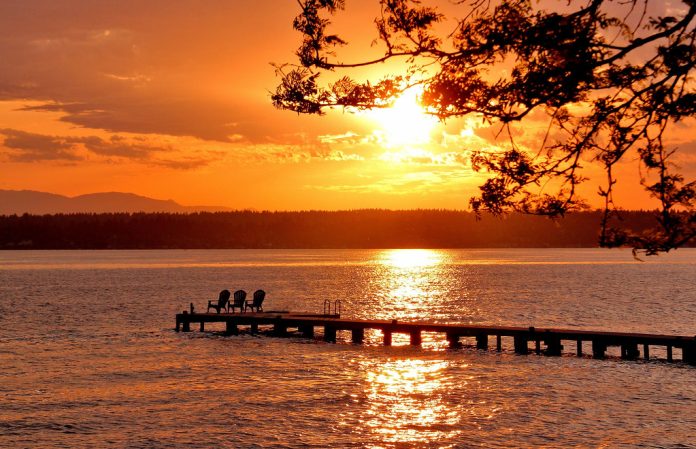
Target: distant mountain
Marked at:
40, 203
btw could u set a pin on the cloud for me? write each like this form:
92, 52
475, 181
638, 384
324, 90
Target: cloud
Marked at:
29, 147
152, 67
22, 146
424, 181
305, 153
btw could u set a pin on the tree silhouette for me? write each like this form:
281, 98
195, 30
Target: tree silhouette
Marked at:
607, 75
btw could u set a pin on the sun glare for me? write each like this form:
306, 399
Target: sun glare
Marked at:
405, 122
411, 258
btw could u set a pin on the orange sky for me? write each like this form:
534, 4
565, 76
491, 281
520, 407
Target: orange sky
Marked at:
171, 100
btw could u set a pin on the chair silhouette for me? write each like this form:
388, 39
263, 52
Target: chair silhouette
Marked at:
222, 302
239, 300
256, 302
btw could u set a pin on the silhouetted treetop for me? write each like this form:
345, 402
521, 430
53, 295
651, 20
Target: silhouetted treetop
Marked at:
609, 76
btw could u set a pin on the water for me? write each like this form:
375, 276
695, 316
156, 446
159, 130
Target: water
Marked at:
90, 360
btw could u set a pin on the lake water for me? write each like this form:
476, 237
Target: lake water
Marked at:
89, 358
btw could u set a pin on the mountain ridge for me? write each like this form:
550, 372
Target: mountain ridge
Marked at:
18, 202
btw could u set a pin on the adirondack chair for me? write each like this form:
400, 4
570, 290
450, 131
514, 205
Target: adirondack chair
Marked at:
256, 302
239, 300
222, 302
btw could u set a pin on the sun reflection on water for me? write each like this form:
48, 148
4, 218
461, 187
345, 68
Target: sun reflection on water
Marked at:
410, 285
407, 402
411, 259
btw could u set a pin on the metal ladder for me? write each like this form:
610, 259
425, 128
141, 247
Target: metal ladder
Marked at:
328, 307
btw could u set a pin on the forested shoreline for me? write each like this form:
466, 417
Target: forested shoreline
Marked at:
305, 229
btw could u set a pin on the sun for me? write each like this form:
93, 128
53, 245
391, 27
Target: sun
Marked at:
405, 123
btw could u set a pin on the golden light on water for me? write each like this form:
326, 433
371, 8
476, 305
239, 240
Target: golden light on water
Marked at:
410, 282
406, 402
412, 259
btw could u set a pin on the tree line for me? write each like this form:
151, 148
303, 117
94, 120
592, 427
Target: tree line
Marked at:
306, 229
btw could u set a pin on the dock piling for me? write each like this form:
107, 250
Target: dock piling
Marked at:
482, 341
689, 353
307, 331
358, 335
280, 329
629, 351
521, 346
453, 340
416, 338
598, 349
329, 334
553, 347
387, 337
231, 327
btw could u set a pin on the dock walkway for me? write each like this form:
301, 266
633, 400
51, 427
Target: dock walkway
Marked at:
552, 339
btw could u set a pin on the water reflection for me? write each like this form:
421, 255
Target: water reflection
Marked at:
411, 258
408, 279
407, 402
413, 284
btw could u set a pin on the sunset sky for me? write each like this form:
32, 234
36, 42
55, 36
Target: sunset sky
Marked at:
171, 100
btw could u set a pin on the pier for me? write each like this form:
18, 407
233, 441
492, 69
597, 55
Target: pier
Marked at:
547, 341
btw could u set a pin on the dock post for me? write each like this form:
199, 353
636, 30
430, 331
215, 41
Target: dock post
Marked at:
185, 322
453, 340
537, 347
669, 353
553, 347
482, 341
387, 337
689, 353
598, 349
498, 343
358, 335
646, 351
578, 347
330, 334
521, 344
629, 351
202, 326
254, 328
231, 328
279, 328
307, 331
416, 337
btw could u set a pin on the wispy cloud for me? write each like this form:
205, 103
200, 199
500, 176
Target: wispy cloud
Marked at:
424, 181
30, 147
22, 146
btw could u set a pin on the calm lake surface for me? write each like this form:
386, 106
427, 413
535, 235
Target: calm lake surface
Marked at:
89, 358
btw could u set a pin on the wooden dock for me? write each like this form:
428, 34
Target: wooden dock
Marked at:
548, 341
